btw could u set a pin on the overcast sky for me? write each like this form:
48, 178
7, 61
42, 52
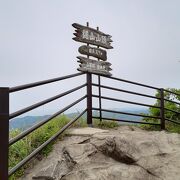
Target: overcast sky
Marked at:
36, 40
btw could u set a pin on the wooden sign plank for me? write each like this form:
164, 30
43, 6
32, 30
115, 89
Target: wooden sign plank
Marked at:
95, 52
92, 36
93, 66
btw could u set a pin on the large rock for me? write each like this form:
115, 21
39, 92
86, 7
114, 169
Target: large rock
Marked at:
127, 153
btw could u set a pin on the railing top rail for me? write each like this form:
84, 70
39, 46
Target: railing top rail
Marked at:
170, 120
131, 82
39, 83
123, 120
125, 101
126, 113
171, 92
125, 91
172, 101
172, 110
29, 108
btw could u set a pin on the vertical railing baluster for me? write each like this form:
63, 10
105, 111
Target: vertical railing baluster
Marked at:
89, 99
99, 83
4, 132
162, 109
100, 105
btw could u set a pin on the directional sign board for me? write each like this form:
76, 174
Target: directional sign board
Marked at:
92, 36
93, 66
95, 52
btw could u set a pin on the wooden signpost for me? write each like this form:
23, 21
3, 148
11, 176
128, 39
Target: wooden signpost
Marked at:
95, 37
95, 52
92, 36
94, 66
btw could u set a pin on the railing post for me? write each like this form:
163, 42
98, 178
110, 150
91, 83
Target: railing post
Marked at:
89, 99
162, 109
100, 105
4, 132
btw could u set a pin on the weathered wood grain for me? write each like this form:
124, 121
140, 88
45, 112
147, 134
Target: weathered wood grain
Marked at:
93, 66
95, 52
92, 36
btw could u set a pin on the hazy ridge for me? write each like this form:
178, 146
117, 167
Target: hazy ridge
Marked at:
28, 121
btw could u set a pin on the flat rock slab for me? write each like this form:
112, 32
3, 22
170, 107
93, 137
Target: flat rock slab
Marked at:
87, 131
125, 153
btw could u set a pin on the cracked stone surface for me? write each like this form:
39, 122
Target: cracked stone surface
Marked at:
127, 153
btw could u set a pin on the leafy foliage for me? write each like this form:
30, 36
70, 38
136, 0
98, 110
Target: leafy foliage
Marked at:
168, 104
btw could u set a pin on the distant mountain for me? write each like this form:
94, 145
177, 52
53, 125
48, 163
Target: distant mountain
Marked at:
123, 116
28, 121
25, 122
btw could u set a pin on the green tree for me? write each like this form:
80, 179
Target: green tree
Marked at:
168, 104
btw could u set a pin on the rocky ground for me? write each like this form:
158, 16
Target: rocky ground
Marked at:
127, 153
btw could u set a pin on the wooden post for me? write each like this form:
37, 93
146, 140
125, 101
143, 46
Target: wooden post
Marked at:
4, 132
99, 83
87, 24
89, 99
162, 109
89, 94
100, 105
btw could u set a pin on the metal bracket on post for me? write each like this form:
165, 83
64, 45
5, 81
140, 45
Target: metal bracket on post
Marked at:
89, 99
162, 109
4, 132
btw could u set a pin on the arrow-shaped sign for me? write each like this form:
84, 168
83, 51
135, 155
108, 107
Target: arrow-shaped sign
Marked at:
92, 36
93, 66
95, 52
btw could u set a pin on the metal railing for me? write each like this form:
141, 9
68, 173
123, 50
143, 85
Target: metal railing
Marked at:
5, 116
161, 106
174, 102
101, 110
161, 99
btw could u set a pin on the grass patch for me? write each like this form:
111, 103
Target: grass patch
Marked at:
21, 149
172, 127
104, 124
149, 127
169, 126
